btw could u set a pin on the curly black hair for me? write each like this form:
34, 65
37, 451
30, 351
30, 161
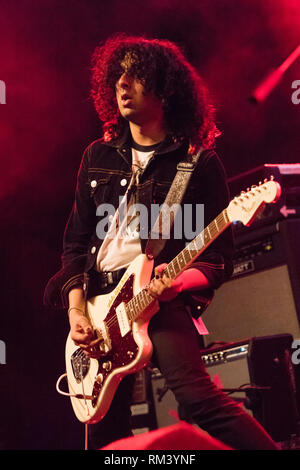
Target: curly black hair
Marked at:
163, 69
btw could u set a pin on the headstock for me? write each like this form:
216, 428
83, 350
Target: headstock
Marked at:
249, 204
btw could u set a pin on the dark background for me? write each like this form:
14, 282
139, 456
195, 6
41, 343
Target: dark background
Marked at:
45, 50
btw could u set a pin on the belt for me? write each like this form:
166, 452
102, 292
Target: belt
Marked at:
100, 280
107, 278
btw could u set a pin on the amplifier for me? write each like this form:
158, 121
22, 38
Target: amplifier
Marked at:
227, 365
257, 373
263, 296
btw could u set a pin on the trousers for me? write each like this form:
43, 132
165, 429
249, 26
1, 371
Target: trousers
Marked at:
176, 349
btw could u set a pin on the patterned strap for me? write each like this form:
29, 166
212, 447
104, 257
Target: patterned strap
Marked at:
160, 231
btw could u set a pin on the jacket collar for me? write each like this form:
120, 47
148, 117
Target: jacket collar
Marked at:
169, 144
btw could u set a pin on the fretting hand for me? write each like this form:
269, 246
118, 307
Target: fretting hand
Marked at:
162, 287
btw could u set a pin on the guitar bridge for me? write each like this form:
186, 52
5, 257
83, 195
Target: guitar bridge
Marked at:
80, 365
105, 344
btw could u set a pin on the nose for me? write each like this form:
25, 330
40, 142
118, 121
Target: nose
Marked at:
124, 82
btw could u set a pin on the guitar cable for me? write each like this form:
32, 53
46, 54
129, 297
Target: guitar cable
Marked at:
85, 397
67, 394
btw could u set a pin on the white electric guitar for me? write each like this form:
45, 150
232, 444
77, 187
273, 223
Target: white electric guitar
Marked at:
120, 319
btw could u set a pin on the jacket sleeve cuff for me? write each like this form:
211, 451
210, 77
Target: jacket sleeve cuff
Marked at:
59, 286
72, 283
215, 268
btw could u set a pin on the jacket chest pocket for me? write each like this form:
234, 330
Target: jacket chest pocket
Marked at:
99, 186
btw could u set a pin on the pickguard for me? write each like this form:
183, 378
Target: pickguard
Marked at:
124, 348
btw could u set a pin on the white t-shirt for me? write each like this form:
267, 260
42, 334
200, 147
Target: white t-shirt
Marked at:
121, 244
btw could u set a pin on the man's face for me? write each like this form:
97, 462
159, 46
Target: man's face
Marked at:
135, 104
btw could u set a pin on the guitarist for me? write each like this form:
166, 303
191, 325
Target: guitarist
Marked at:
155, 110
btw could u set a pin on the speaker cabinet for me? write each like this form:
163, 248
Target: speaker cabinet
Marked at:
257, 373
263, 296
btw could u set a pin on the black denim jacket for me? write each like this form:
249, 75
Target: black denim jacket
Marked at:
104, 175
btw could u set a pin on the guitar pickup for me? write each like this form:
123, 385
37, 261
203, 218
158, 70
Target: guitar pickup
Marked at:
123, 321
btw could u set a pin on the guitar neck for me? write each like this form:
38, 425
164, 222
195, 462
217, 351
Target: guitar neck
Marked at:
143, 299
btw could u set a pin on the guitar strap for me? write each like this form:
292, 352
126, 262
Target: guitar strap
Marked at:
160, 231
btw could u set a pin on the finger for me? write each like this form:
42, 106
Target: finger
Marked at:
156, 288
167, 281
95, 342
80, 340
159, 269
92, 350
80, 336
162, 283
92, 344
152, 291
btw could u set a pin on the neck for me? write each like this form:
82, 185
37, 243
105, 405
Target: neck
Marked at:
147, 134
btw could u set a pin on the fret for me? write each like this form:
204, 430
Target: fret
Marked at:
222, 219
176, 265
201, 239
181, 261
146, 298
142, 300
171, 273
149, 298
137, 303
225, 216
135, 306
212, 230
167, 270
183, 253
206, 236
221, 222
130, 310
187, 255
192, 248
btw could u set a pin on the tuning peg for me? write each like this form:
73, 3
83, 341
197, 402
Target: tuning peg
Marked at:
265, 180
272, 178
260, 183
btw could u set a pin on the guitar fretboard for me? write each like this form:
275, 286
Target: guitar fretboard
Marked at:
143, 299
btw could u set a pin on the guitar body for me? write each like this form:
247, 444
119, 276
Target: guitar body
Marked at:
126, 346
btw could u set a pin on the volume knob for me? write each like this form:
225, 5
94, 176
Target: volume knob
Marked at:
107, 365
99, 379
